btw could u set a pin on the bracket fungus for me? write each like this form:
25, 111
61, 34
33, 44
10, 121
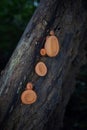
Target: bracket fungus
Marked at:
43, 52
52, 45
29, 86
51, 48
28, 97
41, 69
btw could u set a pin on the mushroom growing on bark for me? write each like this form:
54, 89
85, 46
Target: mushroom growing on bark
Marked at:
52, 45
41, 69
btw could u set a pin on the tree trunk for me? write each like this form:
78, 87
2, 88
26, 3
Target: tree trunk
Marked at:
69, 21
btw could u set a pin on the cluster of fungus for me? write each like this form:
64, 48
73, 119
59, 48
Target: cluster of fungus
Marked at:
28, 96
51, 49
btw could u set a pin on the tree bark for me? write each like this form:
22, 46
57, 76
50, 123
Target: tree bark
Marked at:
69, 21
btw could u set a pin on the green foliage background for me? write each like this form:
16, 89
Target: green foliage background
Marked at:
14, 16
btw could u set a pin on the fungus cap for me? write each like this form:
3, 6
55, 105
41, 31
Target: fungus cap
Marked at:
43, 52
28, 97
52, 46
29, 86
41, 69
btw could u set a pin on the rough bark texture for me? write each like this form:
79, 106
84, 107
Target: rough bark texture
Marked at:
69, 21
